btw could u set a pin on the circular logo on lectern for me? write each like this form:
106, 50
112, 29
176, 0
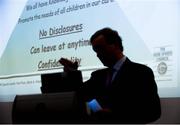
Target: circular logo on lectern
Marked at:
162, 68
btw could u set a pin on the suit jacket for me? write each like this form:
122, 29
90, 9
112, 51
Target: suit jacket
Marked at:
132, 97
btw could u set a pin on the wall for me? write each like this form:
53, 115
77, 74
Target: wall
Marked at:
5, 112
170, 111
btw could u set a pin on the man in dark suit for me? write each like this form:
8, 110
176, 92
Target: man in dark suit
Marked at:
125, 92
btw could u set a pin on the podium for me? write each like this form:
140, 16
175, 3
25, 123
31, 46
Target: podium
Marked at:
48, 108
58, 102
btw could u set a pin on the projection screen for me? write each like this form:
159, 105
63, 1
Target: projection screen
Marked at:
35, 34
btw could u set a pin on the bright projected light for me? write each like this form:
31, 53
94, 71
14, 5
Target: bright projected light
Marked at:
35, 34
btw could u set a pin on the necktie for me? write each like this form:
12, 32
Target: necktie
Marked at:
109, 77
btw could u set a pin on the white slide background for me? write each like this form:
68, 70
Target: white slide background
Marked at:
35, 34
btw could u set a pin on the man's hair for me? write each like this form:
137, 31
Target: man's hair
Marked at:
111, 36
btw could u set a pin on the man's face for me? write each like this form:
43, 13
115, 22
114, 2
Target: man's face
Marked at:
104, 51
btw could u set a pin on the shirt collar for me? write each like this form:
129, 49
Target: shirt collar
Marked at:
119, 63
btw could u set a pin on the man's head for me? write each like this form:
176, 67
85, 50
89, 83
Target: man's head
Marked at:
108, 46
